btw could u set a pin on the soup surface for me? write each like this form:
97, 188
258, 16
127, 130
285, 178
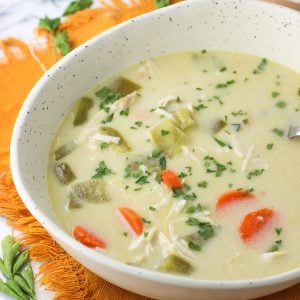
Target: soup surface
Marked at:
182, 164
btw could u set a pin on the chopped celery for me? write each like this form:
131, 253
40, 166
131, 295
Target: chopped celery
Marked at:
64, 173
124, 86
173, 263
183, 118
64, 150
82, 111
122, 146
168, 137
87, 191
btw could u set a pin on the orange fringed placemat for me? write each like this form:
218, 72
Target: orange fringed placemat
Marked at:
59, 272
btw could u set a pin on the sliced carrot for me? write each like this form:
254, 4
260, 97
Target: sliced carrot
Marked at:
233, 196
87, 238
170, 179
133, 219
254, 222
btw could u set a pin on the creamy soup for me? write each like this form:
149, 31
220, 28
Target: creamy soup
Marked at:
182, 164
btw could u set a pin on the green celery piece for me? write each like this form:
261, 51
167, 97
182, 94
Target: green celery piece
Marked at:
85, 104
22, 283
64, 173
4, 288
20, 261
122, 146
88, 191
183, 118
171, 142
64, 150
15, 287
218, 125
124, 86
175, 264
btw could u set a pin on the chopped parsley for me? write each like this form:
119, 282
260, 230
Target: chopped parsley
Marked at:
206, 230
255, 173
162, 163
104, 145
281, 104
202, 184
49, 24
221, 143
236, 127
193, 209
133, 170
164, 132
138, 123
278, 230
184, 193
276, 246
124, 112
146, 221
108, 119
107, 97
193, 246
223, 69
152, 208
142, 180
270, 146
200, 106
279, 132
224, 85
156, 153
239, 113
102, 170
213, 166
275, 94
261, 67
299, 92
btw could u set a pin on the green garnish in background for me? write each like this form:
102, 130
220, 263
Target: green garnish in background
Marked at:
61, 39
16, 268
161, 3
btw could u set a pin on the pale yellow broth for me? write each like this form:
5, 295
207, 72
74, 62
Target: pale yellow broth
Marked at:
194, 76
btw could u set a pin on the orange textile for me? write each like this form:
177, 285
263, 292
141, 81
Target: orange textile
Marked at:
59, 272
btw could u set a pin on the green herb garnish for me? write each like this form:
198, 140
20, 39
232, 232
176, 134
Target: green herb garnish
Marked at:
156, 153
281, 104
102, 170
261, 67
255, 173
224, 85
270, 146
49, 24
193, 209
162, 163
275, 94
213, 166
164, 132
276, 246
124, 112
76, 6
161, 3
107, 97
62, 42
279, 132
202, 184
193, 246
104, 145
142, 180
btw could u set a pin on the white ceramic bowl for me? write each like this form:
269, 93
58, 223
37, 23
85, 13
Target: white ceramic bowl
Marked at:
246, 26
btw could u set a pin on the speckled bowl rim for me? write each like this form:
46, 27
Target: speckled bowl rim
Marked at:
99, 258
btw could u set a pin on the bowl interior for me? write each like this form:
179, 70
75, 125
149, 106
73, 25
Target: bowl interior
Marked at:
245, 26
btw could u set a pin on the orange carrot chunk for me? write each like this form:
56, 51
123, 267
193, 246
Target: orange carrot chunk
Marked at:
170, 179
133, 219
233, 196
254, 222
87, 238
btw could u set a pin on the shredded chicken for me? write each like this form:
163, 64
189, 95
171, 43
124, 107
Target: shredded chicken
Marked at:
164, 113
124, 102
191, 154
247, 159
176, 208
166, 100
235, 146
270, 256
148, 69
